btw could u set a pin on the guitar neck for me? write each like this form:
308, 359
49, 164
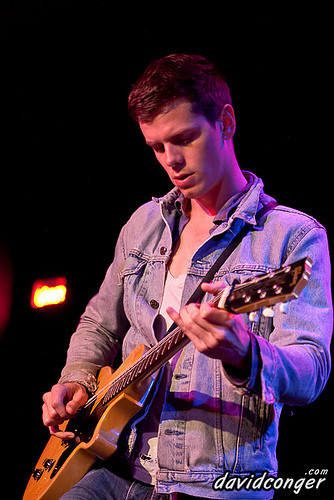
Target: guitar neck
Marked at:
154, 359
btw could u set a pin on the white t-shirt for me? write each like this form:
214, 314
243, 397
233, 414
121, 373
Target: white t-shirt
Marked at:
172, 295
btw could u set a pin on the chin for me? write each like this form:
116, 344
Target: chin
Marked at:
193, 192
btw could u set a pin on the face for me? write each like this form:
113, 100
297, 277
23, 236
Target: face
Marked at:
189, 148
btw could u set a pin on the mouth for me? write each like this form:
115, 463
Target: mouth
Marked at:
181, 180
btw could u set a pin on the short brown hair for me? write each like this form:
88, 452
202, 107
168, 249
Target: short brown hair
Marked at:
179, 76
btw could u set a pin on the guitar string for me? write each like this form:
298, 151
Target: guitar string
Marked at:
123, 375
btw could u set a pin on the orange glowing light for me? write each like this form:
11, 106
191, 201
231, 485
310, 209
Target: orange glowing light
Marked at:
48, 292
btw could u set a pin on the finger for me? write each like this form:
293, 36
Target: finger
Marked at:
58, 400
55, 431
199, 331
181, 322
191, 321
215, 316
55, 405
50, 415
175, 316
198, 316
213, 287
79, 399
196, 328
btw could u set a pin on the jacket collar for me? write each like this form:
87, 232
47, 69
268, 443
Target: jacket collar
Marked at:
243, 205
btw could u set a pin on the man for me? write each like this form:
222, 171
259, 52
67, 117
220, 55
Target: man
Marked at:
215, 407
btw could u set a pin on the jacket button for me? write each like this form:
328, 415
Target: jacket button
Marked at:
163, 251
154, 304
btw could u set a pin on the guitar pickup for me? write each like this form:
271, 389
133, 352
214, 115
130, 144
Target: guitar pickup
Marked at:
48, 464
37, 474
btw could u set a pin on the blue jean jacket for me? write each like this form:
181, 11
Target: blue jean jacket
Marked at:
212, 421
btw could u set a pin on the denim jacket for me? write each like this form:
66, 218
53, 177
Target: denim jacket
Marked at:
213, 421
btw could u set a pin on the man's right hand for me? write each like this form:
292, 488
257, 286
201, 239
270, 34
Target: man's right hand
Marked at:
62, 403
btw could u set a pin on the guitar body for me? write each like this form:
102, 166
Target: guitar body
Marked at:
63, 463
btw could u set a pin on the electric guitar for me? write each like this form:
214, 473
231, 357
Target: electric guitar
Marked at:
122, 393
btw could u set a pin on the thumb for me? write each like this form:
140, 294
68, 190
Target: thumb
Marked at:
55, 431
78, 398
213, 287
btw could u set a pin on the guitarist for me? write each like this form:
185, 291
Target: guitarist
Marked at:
216, 406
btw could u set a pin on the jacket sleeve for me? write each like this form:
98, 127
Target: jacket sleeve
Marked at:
101, 329
293, 366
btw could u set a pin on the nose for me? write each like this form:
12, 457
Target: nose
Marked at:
173, 156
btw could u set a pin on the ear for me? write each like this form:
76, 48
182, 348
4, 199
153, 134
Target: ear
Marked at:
227, 123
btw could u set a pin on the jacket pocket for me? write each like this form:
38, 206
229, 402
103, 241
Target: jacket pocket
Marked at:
133, 263
133, 278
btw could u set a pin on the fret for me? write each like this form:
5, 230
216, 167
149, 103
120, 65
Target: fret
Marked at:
136, 370
160, 352
145, 362
179, 335
130, 377
157, 354
170, 342
126, 378
162, 348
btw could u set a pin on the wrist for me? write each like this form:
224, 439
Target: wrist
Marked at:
241, 369
245, 363
85, 379
79, 384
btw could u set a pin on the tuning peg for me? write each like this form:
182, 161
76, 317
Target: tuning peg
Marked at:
284, 307
268, 312
253, 317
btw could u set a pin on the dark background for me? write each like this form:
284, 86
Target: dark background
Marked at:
74, 167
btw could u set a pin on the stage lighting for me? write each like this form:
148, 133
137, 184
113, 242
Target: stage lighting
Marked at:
48, 292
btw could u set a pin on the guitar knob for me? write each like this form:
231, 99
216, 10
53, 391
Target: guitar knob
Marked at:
253, 317
284, 307
268, 312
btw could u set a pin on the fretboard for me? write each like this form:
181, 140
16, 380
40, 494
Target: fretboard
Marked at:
155, 357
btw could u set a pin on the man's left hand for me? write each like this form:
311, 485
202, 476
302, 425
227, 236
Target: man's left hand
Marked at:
215, 332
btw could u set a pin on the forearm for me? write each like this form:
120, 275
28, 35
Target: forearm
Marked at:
101, 329
91, 348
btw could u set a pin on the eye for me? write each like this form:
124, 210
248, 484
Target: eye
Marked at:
184, 141
187, 138
159, 148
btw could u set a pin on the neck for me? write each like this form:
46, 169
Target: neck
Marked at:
210, 203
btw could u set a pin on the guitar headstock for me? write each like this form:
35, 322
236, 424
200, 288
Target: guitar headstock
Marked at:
282, 285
